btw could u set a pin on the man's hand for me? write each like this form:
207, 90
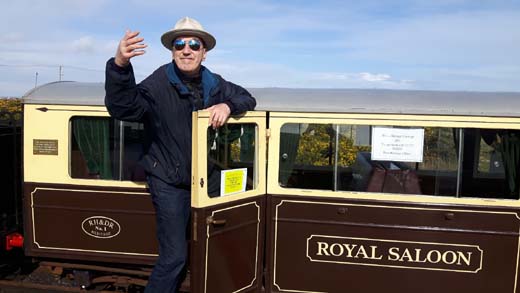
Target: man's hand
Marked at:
218, 115
129, 46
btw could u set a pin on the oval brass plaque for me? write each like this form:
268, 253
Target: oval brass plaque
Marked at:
101, 227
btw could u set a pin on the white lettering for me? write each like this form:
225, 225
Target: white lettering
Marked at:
340, 249
393, 253
322, 248
467, 260
438, 256
418, 255
373, 250
449, 254
406, 254
361, 251
350, 248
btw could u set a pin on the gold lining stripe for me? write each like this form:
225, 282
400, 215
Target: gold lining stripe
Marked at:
517, 262
515, 214
77, 249
275, 254
96, 251
257, 243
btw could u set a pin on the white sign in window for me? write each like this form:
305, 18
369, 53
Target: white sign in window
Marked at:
397, 144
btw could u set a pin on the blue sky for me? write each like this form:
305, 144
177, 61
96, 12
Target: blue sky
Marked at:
422, 44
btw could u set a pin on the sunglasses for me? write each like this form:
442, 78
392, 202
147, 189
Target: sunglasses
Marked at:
179, 44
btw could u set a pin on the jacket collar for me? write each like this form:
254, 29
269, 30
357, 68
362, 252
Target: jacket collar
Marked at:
209, 82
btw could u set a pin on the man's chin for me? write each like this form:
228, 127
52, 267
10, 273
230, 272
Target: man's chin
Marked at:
186, 67
188, 70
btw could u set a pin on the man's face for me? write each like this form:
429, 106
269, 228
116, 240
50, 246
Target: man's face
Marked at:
188, 58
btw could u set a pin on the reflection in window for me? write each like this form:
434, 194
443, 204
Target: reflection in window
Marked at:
455, 162
231, 146
438, 170
104, 148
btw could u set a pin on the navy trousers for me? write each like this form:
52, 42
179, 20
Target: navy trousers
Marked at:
172, 206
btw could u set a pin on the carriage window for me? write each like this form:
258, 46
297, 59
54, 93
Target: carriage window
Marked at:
406, 160
489, 158
231, 158
104, 148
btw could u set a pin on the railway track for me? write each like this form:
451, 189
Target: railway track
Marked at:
15, 286
69, 277
53, 277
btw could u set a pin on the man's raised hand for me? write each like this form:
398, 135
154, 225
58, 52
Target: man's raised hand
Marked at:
130, 45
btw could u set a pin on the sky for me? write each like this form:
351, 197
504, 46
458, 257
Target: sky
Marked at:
462, 45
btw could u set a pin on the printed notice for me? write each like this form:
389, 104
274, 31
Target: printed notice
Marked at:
233, 181
45, 147
397, 144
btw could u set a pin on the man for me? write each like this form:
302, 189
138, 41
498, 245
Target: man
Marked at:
164, 102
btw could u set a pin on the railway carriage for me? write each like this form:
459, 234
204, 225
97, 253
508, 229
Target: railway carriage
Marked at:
10, 180
315, 191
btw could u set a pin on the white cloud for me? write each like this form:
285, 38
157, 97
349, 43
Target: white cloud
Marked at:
12, 37
378, 77
84, 44
251, 74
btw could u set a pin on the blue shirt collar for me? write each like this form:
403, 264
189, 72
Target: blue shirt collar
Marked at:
209, 82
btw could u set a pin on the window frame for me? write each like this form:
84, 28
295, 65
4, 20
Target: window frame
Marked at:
199, 191
54, 124
278, 119
119, 143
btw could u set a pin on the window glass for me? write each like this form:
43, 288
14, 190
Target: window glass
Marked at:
231, 155
104, 148
306, 156
132, 150
438, 170
436, 161
490, 162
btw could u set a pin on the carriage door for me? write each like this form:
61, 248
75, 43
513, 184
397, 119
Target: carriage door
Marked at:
228, 204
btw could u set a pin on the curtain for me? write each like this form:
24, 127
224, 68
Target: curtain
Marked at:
509, 147
92, 136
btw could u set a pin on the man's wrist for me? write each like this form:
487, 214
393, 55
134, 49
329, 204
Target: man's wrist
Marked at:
121, 70
230, 106
121, 63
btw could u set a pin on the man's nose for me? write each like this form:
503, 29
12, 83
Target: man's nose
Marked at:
186, 50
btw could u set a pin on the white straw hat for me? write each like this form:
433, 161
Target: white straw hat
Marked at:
188, 27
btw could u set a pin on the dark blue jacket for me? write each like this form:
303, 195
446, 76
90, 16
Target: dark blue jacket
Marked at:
165, 105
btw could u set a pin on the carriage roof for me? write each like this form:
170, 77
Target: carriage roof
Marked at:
321, 100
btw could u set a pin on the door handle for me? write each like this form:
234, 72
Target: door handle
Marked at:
219, 222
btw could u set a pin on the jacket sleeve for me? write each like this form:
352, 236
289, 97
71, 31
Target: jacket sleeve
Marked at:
237, 98
124, 99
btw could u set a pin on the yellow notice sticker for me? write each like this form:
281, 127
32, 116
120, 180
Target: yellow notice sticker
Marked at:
233, 181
